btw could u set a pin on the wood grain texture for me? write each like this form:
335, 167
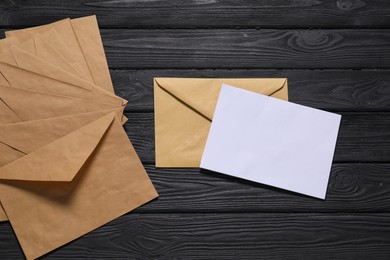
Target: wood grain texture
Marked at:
249, 48
227, 236
203, 13
335, 90
363, 137
352, 188
343, 66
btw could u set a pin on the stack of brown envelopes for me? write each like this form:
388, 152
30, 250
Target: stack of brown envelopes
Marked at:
66, 167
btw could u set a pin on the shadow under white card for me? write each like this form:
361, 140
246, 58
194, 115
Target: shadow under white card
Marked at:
270, 141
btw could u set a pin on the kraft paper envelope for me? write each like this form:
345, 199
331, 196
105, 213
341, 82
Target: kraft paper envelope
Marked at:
69, 183
271, 141
81, 45
39, 47
38, 75
54, 52
33, 69
184, 108
42, 105
7, 116
5, 45
35, 73
65, 42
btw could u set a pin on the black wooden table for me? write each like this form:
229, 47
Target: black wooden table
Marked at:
336, 56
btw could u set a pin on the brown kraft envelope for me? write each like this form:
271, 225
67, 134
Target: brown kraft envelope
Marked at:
40, 106
80, 43
69, 185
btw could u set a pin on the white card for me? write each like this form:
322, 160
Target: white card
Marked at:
271, 141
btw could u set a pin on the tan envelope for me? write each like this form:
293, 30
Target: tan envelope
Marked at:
40, 106
7, 116
32, 72
32, 105
81, 173
5, 45
38, 47
65, 42
184, 108
35, 73
79, 41
42, 49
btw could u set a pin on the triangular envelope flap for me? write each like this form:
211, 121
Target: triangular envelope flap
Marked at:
66, 34
30, 135
33, 105
5, 53
62, 159
6, 57
25, 79
6, 43
37, 65
7, 115
202, 94
88, 36
45, 51
28, 46
8, 154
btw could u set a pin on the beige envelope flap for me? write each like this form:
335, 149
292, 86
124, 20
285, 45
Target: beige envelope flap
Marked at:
184, 108
202, 94
30, 135
5, 44
45, 51
88, 36
28, 46
7, 115
60, 160
36, 46
32, 105
66, 35
19, 139
37, 65
49, 46
84, 48
46, 215
22, 78
28, 61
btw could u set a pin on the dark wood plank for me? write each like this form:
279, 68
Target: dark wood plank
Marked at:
335, 90
352, 188
247, 49
227, 236
363, 137
201, 14
234, 49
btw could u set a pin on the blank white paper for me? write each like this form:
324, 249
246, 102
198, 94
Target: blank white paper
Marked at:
271, 141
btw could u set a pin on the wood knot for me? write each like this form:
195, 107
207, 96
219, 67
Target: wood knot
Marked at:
318, 41
348, 5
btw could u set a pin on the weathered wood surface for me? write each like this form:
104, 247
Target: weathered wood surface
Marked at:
352, 188
342, 65
363, 137
227, 236
334, 90
202, 13
247, 48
